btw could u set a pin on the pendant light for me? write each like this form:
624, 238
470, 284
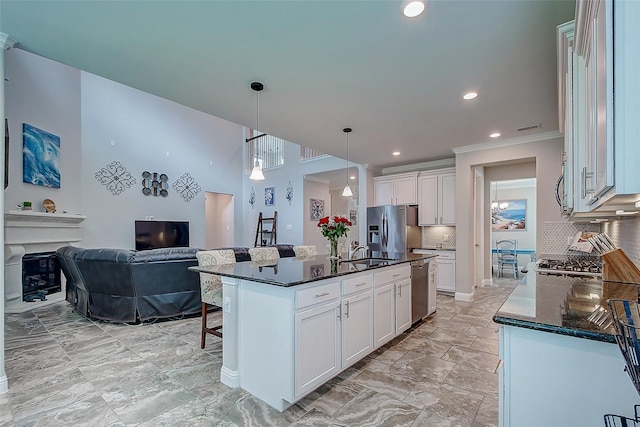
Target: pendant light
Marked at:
347, 190
256, 173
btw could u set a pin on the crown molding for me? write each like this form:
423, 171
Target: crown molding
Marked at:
434, 164
508, 142
6, 42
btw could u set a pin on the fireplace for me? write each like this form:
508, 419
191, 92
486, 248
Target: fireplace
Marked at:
40, 276
33, 234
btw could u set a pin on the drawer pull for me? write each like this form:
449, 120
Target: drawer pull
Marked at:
361, 284
324, 294
396, 275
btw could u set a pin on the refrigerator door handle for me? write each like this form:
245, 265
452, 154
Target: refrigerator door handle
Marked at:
385, 231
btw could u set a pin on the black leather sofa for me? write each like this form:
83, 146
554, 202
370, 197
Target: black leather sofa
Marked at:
125, 285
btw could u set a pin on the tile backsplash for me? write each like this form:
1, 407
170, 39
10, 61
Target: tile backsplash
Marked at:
625, 233
433, 236
557, 234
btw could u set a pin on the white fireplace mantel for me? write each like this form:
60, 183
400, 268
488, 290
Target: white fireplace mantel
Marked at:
28, 232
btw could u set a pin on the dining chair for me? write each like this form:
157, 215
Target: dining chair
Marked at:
211, 287
305, 251
507, 254
264, 253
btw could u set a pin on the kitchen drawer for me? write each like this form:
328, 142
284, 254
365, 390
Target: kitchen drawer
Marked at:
317, 294
357, 284
445, 254
394, 275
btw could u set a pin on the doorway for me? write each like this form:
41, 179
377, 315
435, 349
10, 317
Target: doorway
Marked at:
219, 224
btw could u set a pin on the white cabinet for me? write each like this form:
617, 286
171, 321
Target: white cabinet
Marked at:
596, 60
436, 197
392, 304
403, 306
357, 318
384, 309
317, 346
400, 189
446, 271
335, 334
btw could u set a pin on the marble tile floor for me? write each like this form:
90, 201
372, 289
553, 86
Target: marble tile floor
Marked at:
66, 370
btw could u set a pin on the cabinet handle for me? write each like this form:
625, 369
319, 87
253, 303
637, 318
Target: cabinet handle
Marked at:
440, 220
361, 284
346, 313
435, 219
324, 294
339, 316
396, 275
399, 291
586, 175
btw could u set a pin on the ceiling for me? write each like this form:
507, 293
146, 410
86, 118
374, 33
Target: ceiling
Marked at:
325, 65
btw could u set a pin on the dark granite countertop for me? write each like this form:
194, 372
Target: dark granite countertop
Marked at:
429, 248
297, 271
562, 305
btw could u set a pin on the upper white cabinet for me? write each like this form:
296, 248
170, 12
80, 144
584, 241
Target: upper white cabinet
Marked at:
400, 189
437, 197
596, 60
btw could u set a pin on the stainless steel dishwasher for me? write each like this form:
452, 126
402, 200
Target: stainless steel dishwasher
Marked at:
420, 287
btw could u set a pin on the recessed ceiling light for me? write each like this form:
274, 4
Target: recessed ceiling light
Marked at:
470, 95
495, 135
396, 153
412, 8
352, 177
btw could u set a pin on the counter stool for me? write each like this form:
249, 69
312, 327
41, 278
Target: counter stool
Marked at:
264, 254
211, 287
305, 251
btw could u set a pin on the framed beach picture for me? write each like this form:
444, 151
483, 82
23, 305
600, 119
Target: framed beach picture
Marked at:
509, 215
316, 209
40, 157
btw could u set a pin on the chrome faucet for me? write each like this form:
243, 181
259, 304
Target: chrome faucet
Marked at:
354, 251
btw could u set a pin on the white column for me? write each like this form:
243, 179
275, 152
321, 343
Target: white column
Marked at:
6, 43
230, 372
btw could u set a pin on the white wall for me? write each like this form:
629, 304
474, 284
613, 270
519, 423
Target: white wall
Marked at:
546, 155
526, 238
88, 113
312, 234
45, 94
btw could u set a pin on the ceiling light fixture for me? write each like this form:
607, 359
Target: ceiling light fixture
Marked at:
256, 173
470, 95
412, 8
347, 190
396, 153
495, 135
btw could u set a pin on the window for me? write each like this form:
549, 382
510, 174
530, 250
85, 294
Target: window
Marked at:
268, 149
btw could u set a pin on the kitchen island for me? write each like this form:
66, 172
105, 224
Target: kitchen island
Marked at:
290, 325
558, 368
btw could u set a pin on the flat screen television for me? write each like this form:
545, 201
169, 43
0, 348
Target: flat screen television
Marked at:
161, 234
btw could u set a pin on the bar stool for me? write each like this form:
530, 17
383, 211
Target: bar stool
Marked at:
211, 287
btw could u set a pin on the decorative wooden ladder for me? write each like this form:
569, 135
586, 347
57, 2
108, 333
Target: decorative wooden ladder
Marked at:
262, 232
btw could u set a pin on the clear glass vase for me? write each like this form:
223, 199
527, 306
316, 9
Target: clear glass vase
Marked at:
333, 251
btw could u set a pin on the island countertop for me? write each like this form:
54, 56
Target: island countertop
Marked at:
562, 305
292, 271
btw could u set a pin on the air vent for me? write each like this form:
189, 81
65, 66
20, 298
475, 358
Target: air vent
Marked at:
538, 126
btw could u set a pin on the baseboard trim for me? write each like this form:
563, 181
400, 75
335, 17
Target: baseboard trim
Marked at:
486, 282
462, 296
4, 384
229, 377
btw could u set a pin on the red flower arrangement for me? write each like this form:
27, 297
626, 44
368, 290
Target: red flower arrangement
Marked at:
334, 228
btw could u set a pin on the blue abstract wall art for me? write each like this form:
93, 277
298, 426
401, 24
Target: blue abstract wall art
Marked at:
40, 157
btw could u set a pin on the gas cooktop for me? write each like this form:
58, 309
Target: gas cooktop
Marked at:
570, 265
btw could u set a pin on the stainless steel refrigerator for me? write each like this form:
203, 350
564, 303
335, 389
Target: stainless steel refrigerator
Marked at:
393, 229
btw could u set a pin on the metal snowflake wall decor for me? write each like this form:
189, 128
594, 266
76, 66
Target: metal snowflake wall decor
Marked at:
186, 187
289, 195
252, 198
115, 177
